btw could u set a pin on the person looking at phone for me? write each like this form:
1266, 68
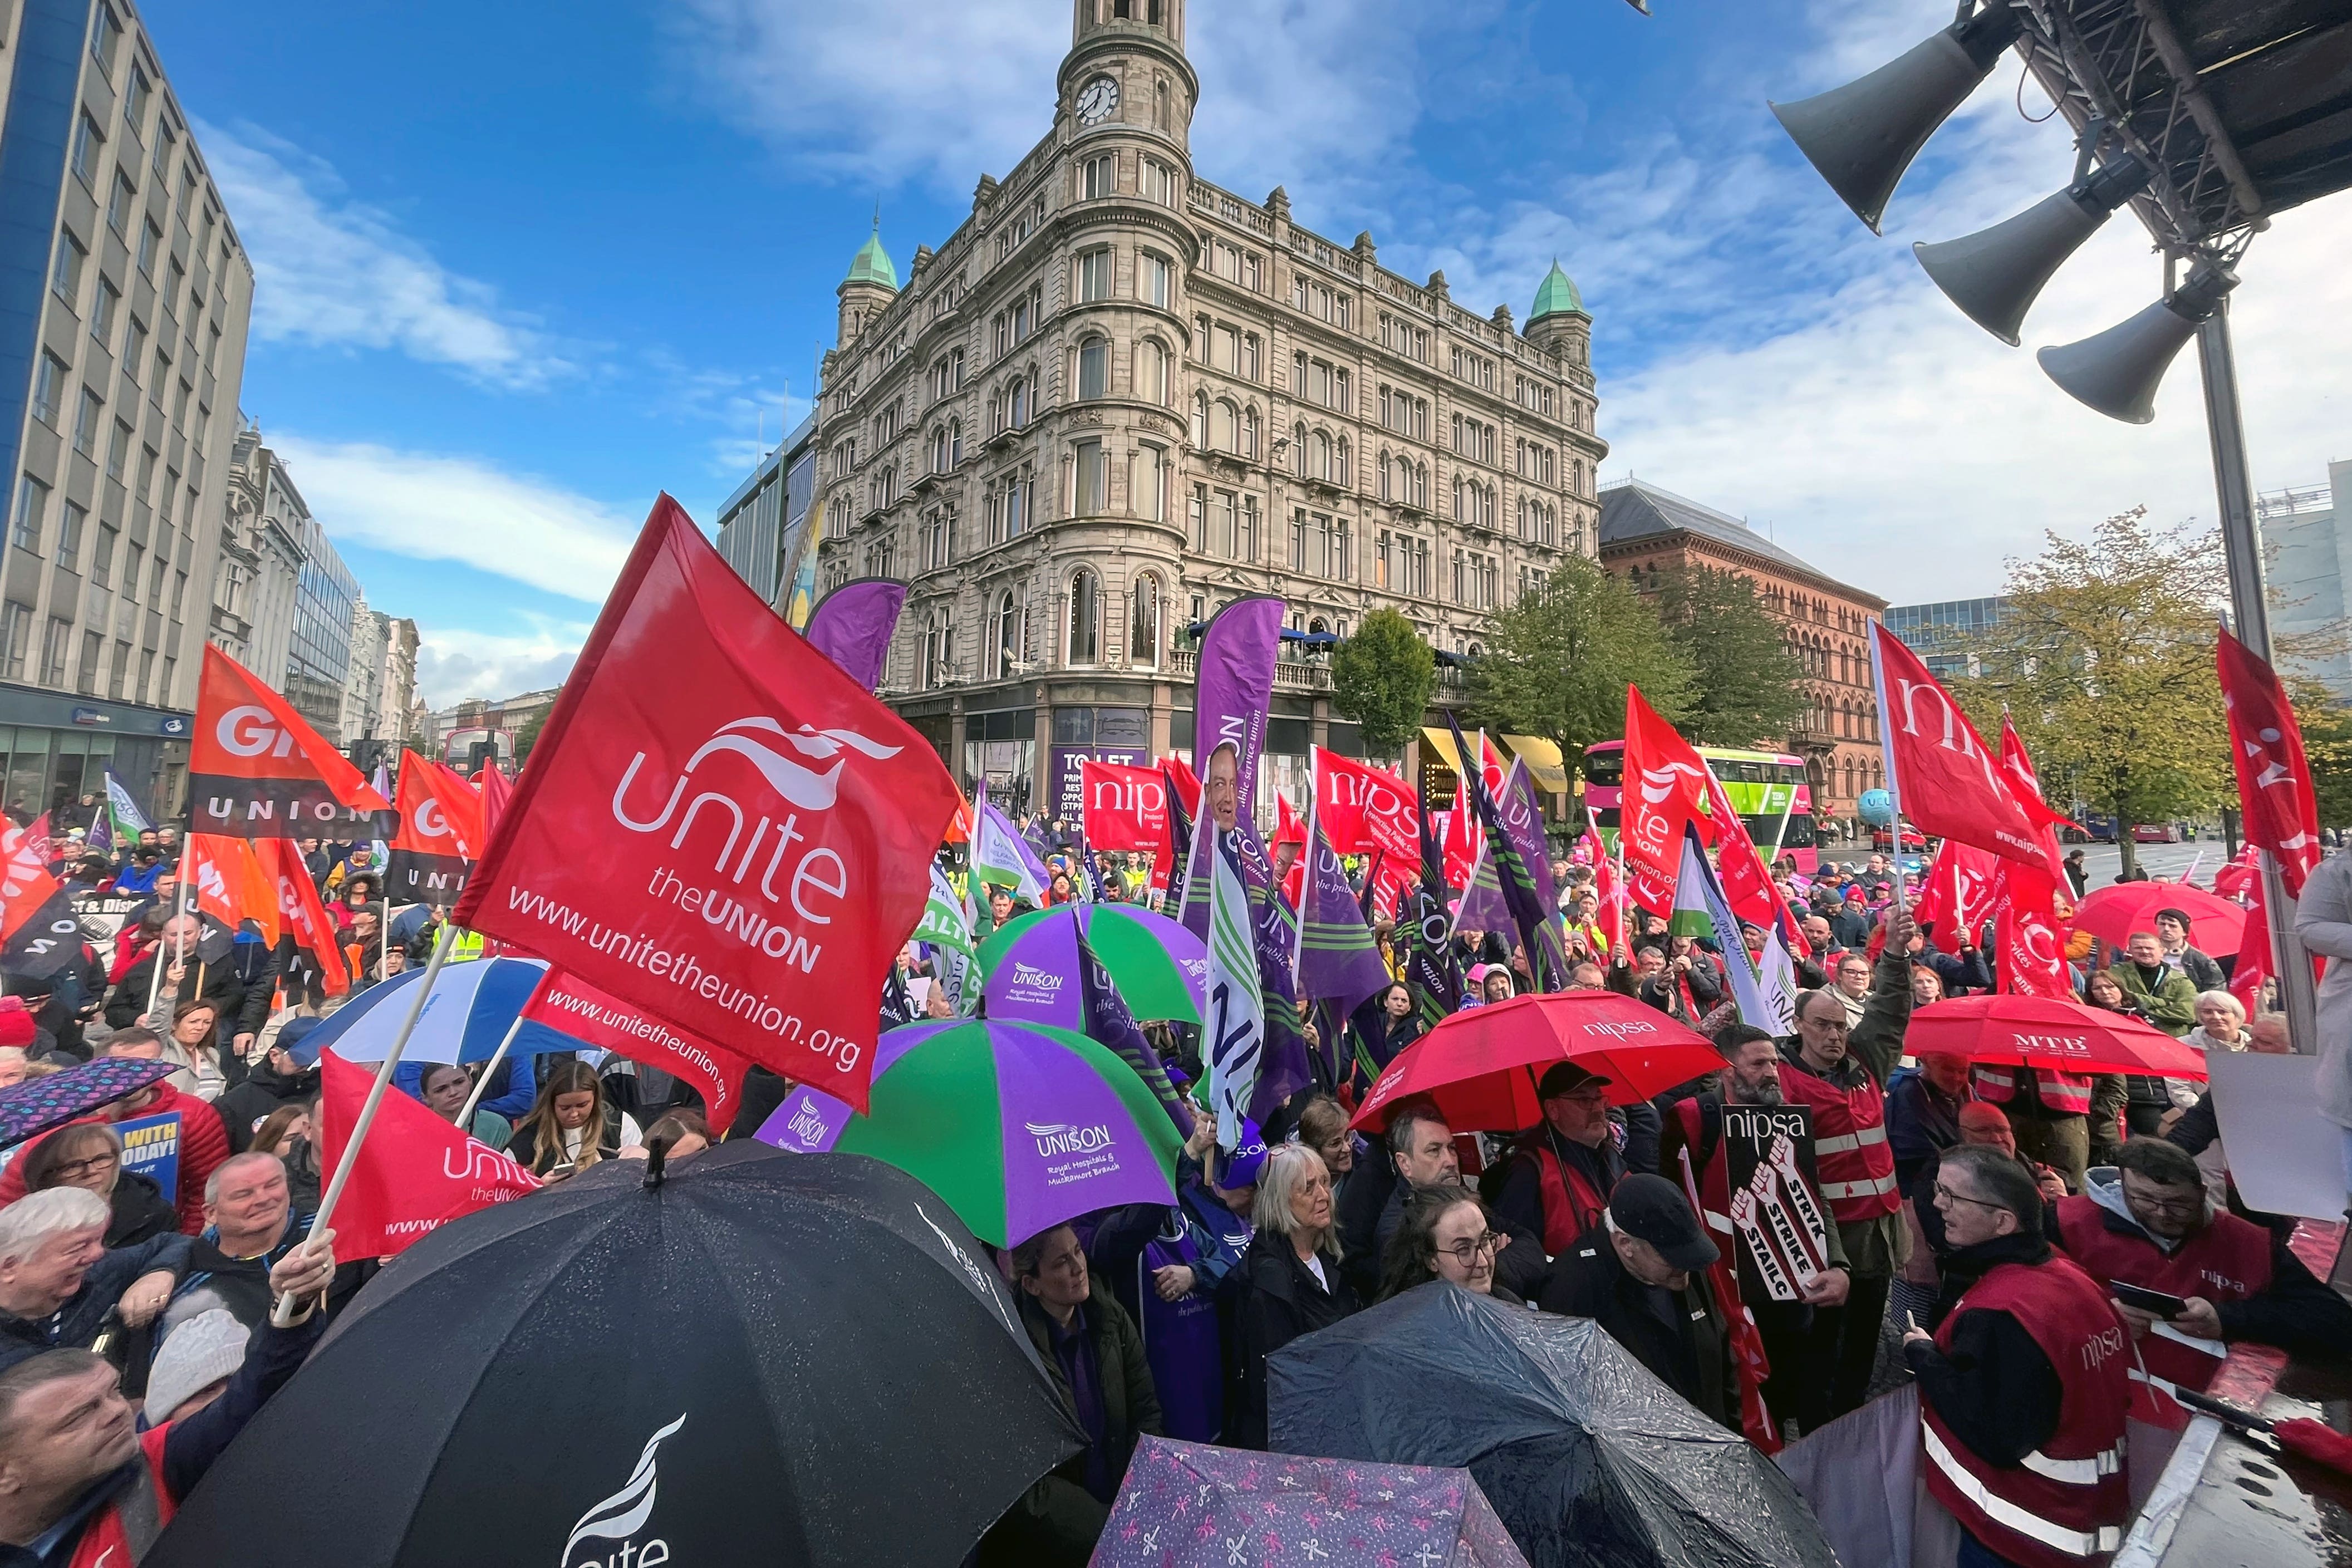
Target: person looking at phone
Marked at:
572, 1126
2024, 1385
2145, 1221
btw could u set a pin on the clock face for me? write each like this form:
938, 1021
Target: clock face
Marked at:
1097, 100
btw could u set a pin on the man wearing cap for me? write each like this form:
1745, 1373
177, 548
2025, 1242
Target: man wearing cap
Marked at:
1838, 1071
2172, 930
1564, 1167
1641, 1274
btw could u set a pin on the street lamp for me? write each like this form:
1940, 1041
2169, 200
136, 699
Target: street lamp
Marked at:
2177, 135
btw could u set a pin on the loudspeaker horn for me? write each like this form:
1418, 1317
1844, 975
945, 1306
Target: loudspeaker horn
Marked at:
1995, 273
2118, 371
1861, 137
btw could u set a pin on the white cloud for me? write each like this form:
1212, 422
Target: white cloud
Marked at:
330, 271
453, 664
437, 507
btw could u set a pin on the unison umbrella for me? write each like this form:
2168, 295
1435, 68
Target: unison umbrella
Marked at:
765, 1358
1032, 963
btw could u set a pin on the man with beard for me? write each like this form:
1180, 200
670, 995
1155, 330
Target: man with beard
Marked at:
1802, 1369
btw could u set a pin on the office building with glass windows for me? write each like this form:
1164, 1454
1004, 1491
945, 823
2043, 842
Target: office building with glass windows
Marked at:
124, 296
1117, 398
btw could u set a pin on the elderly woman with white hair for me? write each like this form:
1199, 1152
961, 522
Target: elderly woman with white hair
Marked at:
58, 1281
1290, 1279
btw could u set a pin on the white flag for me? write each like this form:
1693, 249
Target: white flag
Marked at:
1235, 1019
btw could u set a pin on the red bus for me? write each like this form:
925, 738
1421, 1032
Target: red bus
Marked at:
1768, 789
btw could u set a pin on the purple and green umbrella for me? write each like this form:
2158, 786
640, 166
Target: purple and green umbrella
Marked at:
1017, 1127
1032, 963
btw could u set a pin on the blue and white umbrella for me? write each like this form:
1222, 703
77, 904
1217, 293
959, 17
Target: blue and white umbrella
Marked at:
470, 1011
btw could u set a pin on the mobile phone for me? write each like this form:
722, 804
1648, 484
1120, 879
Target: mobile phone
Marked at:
2161, 1302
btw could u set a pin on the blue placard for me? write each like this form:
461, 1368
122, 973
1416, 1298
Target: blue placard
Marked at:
151, 1145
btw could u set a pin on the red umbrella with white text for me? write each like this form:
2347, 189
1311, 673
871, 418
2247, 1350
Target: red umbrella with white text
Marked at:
2041, 1031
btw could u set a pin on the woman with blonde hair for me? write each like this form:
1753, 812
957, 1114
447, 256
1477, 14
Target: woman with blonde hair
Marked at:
1290, 1279
572, 1125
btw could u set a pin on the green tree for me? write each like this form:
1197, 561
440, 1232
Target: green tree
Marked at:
1382, 677
2327, 746
2105, 659
528, 735
1557, 661
1744, 689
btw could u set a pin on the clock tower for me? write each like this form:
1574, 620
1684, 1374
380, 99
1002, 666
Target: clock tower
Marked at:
1126, 69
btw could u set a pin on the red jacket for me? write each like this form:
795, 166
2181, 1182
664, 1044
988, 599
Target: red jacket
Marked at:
2229, 1260
104, 1542
203, 1144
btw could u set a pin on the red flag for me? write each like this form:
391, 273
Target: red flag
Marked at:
1746, 881
2254, 967
2026, 785
440, 832
570, 1005
1287, 828
1749, 1364
1943, 773
1122, 808
300, 914
496, 792
1491, 769
230, 884
1188, 785
2241, 876
2273, 775
257, 769
1458, 836
1664, 782
2029, 938
26, 884
1956, 894
416, 1172
718, 826
1364, 809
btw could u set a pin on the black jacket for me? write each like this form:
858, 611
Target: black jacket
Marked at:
141, 1211
264, 1092
1279, 1301
1057, 1520
1518, 1268
1360, 1212
78, 1321
128, 1003
1678, 1334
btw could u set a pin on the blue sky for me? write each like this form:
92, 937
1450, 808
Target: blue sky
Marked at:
521, 266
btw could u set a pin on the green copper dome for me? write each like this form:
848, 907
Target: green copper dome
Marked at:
873, 265
1557, 296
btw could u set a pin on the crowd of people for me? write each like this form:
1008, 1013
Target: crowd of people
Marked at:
1982, 1210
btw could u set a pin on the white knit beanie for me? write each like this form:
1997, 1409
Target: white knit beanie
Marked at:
199, 1353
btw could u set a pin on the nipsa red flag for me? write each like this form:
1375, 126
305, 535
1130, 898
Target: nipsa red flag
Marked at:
440, 834
2273, 775
412, 1175
2029, 942
1956, 895
570, 1005
1123, 807
718, 826
1367, 811
1948, 782
300, 914
1663, 782
257, 769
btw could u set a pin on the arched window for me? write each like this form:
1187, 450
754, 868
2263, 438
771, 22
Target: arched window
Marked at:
1006, 636
1319, 466
1224, 427
1093, 368
1201, 420
1421, 485
1384, 491
1461, 499
1300, 462
939, 461
1160, 112
1152, 373
1085, 618
1318, 624
1342, 472
1249, 432
955, 442
1143, 623
1019, 399
1146, 483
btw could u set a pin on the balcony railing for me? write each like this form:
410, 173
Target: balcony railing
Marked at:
1289, 674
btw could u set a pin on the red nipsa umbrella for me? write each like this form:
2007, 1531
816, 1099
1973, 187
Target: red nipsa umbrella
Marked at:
2038, 1031
1482, 1064
2113, 913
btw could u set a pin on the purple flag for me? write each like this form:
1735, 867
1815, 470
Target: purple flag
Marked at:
1338, 961
1230, 701
852, 626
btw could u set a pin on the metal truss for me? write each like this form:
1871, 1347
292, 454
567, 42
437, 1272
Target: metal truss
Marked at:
2119, 63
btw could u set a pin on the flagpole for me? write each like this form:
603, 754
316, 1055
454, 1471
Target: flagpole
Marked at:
1886, 758
1307, 882
465, 1116
155, 980
283, 1316
1781, 832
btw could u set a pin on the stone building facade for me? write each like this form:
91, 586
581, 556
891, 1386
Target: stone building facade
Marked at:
1118, 397
1647, 532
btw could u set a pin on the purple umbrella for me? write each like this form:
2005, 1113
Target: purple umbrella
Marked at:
1189, 1505
37, 1104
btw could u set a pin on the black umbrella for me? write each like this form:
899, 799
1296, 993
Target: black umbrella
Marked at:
1591, 1460
769, 1358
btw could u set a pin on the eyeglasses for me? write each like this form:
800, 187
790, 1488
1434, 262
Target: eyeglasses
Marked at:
2191, 1204
1469, 1249
67, 1170
1944, 1192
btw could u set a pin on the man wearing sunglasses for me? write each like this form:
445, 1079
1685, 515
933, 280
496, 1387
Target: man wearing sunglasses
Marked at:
2145, 1221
